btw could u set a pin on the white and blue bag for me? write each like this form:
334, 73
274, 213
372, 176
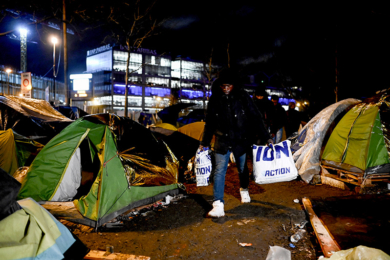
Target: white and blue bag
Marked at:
273, 164
203, 166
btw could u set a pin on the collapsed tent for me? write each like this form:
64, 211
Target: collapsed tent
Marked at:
16, 151
360, 143
106, 164
33, 118
310, 140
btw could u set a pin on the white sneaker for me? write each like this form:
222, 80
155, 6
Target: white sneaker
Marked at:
245, 198
218, 210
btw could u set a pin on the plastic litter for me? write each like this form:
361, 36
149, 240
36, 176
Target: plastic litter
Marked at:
291, 245
167, 200
296, 200
278, 253
302, 224
109, 250
297, 236
245, 244
360, 252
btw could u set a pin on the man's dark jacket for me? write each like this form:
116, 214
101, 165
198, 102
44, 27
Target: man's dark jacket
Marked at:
234, 120
278, 118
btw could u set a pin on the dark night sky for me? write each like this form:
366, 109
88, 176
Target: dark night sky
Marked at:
296, 40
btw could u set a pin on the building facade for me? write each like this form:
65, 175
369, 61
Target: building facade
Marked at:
155, 80
42, 87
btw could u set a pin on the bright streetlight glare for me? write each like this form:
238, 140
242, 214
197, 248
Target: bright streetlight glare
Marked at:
54, 40
23, 31
8, 71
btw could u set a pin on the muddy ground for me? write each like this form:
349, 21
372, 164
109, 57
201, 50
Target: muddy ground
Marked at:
181, 230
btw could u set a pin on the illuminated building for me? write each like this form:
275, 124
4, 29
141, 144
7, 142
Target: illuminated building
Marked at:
151, 75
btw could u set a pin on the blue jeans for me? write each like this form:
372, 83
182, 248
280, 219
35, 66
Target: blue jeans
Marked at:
221, 165
278, 136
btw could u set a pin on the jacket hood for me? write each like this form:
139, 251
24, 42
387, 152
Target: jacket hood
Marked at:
226, 76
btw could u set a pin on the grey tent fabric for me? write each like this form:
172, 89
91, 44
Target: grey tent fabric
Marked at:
307, 158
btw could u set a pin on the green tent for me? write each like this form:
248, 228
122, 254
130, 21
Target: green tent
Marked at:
87, 150
358, 144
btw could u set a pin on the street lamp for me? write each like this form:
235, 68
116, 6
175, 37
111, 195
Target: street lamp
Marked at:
8, 72
54, 41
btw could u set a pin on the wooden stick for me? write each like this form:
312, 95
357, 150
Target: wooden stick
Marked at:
102, 255
327, 242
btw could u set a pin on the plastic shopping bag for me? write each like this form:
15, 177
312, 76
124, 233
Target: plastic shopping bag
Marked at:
273, 164
203, 166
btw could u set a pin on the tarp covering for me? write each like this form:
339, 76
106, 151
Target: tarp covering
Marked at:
167, 126
73, 113
195, 115
8, 158
16, 150
361, 253
184, 142
32, 118
103, 138
194, 130
9, 189
310, 139
171, 114
33, 233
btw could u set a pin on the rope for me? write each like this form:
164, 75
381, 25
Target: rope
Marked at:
105, 163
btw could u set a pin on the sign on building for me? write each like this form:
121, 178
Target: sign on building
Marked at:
81, 86
26, 85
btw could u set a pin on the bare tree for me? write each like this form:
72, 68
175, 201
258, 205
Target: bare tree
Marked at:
209, 71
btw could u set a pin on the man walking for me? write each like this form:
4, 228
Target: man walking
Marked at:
236, 123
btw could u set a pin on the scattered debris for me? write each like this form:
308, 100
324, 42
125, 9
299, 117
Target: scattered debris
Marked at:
97, 254
296, 200
302, 224
245, 244
291, 245
284, 227
167, 200
144, 211
245, 221
297, 236
109, 250
278, 253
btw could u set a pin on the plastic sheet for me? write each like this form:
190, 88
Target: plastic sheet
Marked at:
361, 253
73, 113
20, 173
32, 118
34, 107
307, 158
278, 253
140, 172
